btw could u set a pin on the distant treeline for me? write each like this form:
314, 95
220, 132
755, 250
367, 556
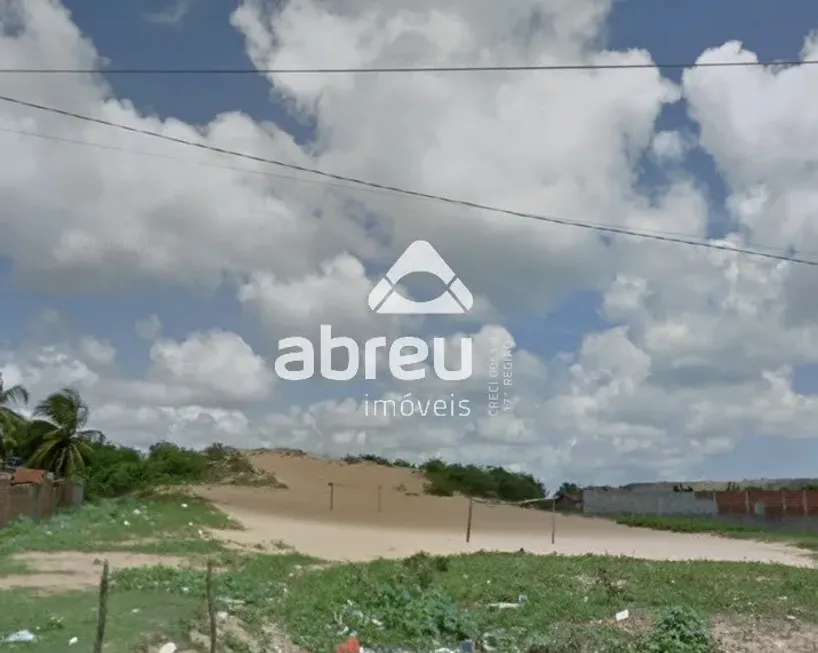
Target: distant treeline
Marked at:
447, 479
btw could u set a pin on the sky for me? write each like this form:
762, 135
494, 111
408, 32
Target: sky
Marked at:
159, 278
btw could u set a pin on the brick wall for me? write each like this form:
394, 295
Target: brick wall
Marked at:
5, 484
752, 505
769, 504
37, 500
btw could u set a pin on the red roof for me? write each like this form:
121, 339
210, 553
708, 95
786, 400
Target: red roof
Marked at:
23, 475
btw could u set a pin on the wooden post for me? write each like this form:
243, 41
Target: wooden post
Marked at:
747, 501
804, 502
784, 503
331, 496
468, 521
379, 498
553, 520
715, 503
102, 616
211, 607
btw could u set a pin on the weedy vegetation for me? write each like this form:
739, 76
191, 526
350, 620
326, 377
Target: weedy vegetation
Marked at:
554, 604
723, 528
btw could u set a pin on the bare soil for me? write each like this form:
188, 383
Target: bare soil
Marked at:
70, 570
357, 512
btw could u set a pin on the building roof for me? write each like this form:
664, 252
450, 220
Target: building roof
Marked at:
23, 475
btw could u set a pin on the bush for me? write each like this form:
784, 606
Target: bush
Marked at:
444, 479
679, 630
117, 470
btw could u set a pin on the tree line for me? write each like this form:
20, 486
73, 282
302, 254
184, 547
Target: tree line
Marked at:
56, 438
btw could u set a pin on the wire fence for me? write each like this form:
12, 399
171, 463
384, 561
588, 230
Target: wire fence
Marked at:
332, 487
102, 610
518, 504
378, 504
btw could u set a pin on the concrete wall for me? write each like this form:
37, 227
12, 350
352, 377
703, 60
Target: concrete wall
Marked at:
773, 510
641, 502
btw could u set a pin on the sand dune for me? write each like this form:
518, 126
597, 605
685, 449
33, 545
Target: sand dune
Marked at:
408, 522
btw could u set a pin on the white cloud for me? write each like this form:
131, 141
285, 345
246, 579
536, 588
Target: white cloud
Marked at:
701, 348
149, 328
97, 351
219, 364
173, 15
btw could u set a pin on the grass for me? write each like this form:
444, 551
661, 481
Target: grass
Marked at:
426, 601
134, 618
717, 527
164, 524
564, 604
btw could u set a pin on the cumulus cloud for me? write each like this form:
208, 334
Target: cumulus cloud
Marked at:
692, 350
217, 363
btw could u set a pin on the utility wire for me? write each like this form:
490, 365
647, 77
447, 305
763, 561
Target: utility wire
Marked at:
323, 182
407, 69
619, 231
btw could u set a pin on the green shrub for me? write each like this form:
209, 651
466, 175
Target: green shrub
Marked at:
678, 630
117, 470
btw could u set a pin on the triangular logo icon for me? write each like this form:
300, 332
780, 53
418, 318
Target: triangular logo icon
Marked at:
420, 256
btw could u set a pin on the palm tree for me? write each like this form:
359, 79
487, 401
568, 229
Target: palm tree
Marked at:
63, 443
12, 424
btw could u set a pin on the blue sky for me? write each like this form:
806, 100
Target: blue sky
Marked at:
204, 38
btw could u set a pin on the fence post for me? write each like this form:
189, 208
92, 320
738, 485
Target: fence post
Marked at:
747, 501
804, 502
102, 616
783, 503
379, 498
715, 503
468, 520
331, 495
211, 607
553, 520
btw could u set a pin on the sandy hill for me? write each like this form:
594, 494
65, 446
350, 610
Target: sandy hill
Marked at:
365, 493
380, 511
301, 471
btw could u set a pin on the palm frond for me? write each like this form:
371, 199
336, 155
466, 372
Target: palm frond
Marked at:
93, 436
14, 394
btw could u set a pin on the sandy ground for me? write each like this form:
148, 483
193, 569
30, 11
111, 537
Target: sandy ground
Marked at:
366, 522
68, 570
379, 512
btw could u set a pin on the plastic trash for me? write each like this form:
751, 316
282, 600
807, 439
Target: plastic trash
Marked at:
621, 616
20, 636
352, 645
73, 641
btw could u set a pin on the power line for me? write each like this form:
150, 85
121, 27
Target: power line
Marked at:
267, 173
206, 164
618, 231
407, 69
322, 182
